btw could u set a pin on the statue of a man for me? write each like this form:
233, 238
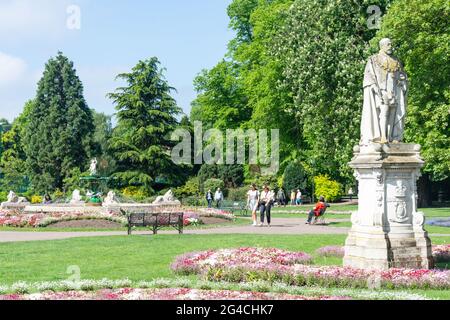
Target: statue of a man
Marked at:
385, 95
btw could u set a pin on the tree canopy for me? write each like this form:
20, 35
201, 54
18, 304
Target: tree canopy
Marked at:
59, 127
420, 31
146, 114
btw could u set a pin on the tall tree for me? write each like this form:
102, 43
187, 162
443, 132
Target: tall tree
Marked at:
323, 49
58, 135
220, 102
146, 114
420, 31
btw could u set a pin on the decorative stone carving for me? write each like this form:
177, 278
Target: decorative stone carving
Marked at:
76, 197
167, 198
387, 231
14, 202
110, 199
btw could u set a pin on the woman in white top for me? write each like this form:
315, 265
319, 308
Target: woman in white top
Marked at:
252, 201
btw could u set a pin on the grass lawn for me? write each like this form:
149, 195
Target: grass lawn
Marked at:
144, 257
430, 229
298, 212
237, 222
135, 257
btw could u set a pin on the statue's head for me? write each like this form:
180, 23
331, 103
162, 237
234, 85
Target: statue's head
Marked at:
386, 46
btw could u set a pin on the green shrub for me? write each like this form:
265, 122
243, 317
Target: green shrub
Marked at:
238, 194
3, 196
191, 188
331, 190
213, 184
58, 195
194, 201
135, 193
294, 177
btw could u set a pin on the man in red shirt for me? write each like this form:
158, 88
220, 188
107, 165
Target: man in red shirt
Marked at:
318, 210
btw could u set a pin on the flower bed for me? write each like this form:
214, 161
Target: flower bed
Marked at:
331, 251
441, 253
250, 264
197, 261
162, 294
209, 212
333, 276
41, 220
22, 289
442, 222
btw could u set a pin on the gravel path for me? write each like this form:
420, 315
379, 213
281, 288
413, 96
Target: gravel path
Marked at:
280, 226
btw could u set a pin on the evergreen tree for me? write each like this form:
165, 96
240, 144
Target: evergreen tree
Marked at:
294, 177
59, 131
146, 114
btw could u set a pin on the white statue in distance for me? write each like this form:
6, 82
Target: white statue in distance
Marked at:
110, 198
93, 167
76, 197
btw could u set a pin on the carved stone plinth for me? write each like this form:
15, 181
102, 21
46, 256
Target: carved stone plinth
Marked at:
387, 231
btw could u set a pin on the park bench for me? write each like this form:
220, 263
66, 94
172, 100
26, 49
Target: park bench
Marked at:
235, 207
155, 220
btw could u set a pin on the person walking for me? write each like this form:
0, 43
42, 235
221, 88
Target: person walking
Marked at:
252, 202
265, 204
281, 197
350, 193
293, 195
209, 198
298, 197
218, 197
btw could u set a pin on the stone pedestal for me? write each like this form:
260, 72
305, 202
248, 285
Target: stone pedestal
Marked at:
387, 231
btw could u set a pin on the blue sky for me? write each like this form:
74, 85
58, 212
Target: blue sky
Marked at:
186, 35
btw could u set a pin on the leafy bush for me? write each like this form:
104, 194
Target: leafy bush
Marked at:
238, 194
331, 190
294, 177
191, 188
58, 195
194, 201
135, 193
213, 184
3, 196
36, 199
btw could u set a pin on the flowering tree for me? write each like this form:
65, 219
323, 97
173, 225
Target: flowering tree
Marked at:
323, 49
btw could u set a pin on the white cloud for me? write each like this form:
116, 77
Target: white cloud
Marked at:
12, 69
30, 18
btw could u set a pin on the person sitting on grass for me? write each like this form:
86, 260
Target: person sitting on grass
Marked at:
318, 210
